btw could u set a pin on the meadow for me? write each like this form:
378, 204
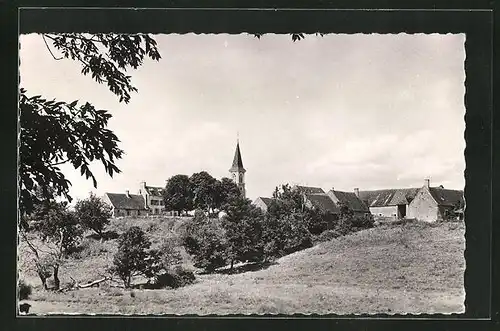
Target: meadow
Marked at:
409, 267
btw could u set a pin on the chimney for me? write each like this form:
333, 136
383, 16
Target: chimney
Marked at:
127, 194
356, 191
427, 182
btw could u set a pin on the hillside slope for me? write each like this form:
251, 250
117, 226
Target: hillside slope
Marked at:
412, 268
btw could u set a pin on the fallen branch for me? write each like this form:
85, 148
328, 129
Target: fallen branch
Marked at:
77, 286
95, 282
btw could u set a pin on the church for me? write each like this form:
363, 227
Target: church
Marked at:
149, 199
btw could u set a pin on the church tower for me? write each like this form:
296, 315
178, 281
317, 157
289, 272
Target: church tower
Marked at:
237, 171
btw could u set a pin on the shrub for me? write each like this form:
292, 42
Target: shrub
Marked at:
24, 290
352, 223
176, 278
328, 235
284, 235
318, 221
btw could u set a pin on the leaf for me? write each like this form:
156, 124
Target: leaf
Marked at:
73, 104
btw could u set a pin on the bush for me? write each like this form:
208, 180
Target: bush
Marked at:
284, 235
328, 235
176, 278
351, 223
24, 290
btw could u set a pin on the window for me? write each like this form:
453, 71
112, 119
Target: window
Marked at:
128, 212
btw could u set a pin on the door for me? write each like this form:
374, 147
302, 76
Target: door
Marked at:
401, 211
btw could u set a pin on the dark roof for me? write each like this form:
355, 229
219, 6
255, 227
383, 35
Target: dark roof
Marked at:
266, 201
350, 200
445, 197
388, 197
121, 201
323, 202
309, 189
156, 191
237, 162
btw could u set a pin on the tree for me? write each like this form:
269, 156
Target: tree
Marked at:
133, 257
243, 230
226, 191
93, 213
293, 201
284, 232
204, 190
178, 194
58, 132
59, 232
205, 240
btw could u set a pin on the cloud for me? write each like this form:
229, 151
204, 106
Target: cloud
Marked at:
340, 110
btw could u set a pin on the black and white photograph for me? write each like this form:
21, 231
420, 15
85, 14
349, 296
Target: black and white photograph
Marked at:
218, 174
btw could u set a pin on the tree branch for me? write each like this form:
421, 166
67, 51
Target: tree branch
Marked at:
47, 45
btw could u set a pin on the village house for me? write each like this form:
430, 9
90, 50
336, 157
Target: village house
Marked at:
153, 198
321, 202
350, 200
389, 202
263, 203
436, 203
308, 189
125, 204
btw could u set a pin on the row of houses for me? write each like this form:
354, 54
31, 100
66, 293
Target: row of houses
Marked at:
425, 203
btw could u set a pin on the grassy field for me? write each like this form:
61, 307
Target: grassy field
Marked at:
408, 268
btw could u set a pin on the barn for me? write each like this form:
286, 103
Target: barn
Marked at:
436, 203
388, 202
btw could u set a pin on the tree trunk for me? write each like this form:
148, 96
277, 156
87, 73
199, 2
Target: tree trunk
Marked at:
43, 279
57, 282
231, 269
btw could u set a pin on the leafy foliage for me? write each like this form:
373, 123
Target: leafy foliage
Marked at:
226, 191
284, 234
243, 231
206, 242
57, 132
59, 230
178, 194
318, 221
170, 254
204, 190
133, 257
93, 213
54, 223
178, 277
24, 290
107, 56
54, 133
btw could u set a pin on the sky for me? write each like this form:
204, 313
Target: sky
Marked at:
363, 111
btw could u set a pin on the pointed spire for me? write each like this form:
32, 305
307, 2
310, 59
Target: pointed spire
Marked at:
237, 162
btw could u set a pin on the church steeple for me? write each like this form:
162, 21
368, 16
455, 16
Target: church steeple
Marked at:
237, 170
